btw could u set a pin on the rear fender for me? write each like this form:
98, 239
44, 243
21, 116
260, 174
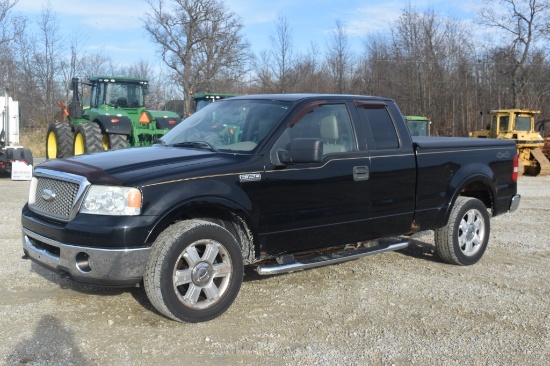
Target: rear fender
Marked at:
167, 122
474, 180
120, 125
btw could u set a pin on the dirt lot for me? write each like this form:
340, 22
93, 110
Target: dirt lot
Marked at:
398, 308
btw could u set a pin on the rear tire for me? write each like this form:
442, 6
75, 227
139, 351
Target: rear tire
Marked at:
194, 272
87, 138
465, 237
59, 140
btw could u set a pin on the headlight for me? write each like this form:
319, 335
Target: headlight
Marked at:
106, 200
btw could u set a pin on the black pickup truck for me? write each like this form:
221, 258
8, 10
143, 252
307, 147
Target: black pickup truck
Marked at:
279, 183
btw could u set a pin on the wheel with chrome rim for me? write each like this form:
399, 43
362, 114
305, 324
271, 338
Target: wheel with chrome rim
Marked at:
464, 239
194, 272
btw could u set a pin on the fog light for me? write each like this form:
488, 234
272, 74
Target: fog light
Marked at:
83, 262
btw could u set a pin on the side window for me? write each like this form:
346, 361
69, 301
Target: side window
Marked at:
99, 97
331, 123
381, 127
504, 122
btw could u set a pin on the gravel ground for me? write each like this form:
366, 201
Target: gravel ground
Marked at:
398, 308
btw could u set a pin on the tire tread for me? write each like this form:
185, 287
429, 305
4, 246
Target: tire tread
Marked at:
444, 237
152, 279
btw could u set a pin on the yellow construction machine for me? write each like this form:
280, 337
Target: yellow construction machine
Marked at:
519, 125
543, 127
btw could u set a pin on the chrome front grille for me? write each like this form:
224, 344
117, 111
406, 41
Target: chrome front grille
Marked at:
56, 195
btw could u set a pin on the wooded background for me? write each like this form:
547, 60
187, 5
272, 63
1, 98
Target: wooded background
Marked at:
432, 65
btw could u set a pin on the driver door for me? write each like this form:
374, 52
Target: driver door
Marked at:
309, 205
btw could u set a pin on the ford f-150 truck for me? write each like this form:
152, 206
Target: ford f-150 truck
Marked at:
279, 183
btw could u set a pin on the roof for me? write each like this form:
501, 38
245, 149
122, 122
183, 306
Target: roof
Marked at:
416, 118
517, 111
213, 95
299, 97
118, 78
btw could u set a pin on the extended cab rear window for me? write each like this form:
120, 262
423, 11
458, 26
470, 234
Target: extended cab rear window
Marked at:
380, 126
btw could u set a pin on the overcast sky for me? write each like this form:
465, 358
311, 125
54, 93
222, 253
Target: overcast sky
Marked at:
116, 28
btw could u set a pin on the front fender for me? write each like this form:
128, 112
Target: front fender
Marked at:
177, 200
219, 210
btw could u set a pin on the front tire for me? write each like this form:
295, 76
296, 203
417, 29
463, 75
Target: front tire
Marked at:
194, 272
465, 237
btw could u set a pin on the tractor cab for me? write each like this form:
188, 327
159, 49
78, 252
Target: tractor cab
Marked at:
418, 126
118, 93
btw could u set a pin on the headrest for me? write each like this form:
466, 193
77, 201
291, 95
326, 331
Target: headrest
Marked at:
329, 128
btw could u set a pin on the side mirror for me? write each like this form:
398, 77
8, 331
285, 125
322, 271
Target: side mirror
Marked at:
301, 150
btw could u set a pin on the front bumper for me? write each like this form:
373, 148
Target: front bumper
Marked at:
99, 266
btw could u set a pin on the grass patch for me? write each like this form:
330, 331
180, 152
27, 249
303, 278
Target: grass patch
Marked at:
35, 140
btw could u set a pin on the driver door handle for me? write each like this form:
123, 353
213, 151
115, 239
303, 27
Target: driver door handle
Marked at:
360, 173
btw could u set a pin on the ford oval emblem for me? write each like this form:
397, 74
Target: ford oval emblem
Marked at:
48, 195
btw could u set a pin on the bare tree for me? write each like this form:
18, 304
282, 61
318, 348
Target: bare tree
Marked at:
39, 71
72, 66
313, 78
199, 40
282, 57
46, 61
526, 22
11, 26
339, 58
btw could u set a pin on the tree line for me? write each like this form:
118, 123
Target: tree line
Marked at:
436, 66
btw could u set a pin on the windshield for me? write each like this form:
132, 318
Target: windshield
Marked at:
228, 125
201, 103
124, 95
523, 123
418, 128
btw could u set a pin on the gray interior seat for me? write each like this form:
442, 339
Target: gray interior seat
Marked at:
330, 135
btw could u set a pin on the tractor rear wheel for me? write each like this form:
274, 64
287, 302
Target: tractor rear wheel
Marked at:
117, 141
87, 138
58, 140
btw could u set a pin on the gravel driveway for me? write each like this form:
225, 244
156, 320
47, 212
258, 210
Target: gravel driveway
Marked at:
397, 308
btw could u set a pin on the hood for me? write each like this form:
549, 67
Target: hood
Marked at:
116, 166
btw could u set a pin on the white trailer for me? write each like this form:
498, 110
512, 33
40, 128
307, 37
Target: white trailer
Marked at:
14, 159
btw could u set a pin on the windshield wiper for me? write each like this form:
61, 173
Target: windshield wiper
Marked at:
196, 144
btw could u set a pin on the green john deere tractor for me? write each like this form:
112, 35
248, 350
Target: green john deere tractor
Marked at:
114, 118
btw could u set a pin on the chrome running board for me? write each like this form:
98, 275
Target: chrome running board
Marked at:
313, 261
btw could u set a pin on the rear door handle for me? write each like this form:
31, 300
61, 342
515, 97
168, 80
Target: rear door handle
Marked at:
360, 173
